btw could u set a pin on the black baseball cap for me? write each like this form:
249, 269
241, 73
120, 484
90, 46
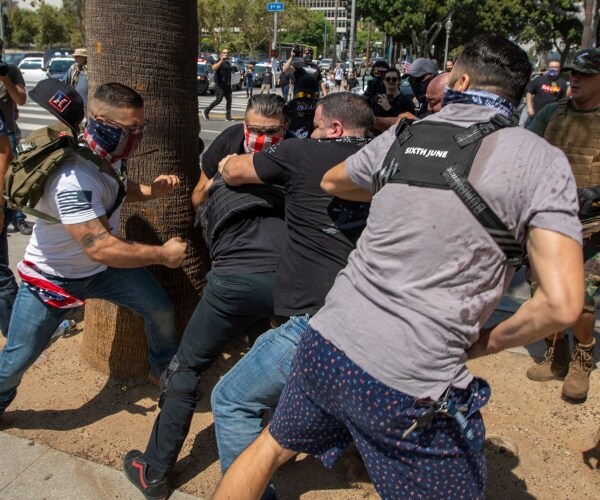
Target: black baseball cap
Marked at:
60, 99
587, 61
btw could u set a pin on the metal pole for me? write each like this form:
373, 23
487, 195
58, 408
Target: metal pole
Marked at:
274, 31
448, 27
335, 22
351, 44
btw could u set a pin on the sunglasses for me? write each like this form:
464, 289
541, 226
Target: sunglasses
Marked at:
255, 129
134, 129
392, 79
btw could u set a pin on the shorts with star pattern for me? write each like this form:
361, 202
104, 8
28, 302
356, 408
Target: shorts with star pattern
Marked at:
329, 401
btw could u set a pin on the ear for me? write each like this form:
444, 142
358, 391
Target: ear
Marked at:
336, 128
462, 83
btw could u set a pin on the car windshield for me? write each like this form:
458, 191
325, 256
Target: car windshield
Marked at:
202, 68
260, 69
31, 65
63, 65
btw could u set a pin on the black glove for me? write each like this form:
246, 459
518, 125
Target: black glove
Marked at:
587, 197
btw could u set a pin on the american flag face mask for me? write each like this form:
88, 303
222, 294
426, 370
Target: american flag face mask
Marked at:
255, 142
110, 142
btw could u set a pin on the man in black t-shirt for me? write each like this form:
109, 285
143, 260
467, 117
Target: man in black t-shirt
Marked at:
545, 89
245, 230
222, 69
321, 233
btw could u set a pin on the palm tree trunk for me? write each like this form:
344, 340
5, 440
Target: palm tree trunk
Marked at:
150, 45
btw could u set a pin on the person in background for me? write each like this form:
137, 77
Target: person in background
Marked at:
249, 80
392, 103
222, 69
545, 89
420, 74
267, 81
77, 75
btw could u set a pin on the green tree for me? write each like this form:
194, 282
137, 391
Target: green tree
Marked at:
24, 24
53, 29
306, 26
74, 12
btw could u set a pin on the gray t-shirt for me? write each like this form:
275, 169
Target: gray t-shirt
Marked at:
7, 105
425, 275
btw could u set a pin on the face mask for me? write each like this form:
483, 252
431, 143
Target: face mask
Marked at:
110, 142
255, 142
419, 87
552, 73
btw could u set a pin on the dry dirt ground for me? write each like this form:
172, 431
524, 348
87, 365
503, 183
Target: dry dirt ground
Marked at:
70, 407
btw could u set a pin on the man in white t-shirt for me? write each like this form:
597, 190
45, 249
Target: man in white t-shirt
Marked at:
81, 257
382, 363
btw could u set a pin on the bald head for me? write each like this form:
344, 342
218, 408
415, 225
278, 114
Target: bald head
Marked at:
435, 92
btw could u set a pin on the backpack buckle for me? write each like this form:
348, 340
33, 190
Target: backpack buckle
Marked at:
24, 147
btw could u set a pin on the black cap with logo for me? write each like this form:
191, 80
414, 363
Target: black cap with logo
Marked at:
60, 99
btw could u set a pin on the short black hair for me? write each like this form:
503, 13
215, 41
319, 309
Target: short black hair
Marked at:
351, 109
393, 70
496, 64
118, 95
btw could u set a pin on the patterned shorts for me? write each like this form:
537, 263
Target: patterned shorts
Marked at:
328, 402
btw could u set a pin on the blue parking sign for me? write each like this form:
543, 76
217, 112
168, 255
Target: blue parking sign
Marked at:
275, 7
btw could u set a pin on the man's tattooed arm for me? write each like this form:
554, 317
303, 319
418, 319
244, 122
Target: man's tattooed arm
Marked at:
96, 231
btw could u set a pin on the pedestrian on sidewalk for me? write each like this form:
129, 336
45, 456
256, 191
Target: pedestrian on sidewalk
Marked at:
222, 69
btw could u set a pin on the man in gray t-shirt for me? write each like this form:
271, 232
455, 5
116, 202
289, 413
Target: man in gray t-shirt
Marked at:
383, 362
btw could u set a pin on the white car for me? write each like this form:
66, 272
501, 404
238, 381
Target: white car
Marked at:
31, 69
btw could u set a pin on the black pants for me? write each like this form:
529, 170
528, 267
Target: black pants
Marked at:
229, 305
221, 92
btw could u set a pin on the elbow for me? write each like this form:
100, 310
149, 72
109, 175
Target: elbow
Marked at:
327, 186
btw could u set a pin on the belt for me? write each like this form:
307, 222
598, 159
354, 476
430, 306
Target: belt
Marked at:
306, 95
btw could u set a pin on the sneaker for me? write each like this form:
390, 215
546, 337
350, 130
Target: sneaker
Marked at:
228, 119
205, 114
135, 469
23, 228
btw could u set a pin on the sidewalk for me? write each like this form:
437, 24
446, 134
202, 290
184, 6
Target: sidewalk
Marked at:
30, 471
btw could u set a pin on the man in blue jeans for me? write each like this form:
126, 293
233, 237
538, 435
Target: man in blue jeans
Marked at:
80, 257
322, 231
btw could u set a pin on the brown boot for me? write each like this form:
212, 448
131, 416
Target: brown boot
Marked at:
577, 383
556, 362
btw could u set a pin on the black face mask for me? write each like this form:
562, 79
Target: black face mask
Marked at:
419, 87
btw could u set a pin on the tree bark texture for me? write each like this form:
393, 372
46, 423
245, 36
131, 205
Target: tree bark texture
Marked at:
151, 46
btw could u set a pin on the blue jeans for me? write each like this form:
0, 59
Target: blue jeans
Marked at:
33, 322
230, 305
252, 387
8, 285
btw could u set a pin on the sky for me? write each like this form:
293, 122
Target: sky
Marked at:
27, 3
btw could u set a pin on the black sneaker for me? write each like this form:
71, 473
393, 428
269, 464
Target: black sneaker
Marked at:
205, 114
135, 468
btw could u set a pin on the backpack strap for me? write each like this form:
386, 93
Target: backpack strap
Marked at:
514, 252
105, 167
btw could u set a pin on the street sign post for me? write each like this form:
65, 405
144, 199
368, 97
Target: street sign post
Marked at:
275, 7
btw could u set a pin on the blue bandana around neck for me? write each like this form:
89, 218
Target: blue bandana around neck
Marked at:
481, 98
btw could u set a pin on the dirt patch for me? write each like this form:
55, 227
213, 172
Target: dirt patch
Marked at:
538, 446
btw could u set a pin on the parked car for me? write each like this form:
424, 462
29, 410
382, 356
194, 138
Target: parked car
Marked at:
206, 77
259, 70
31, 69
58, 67
52, 53
325, 64
16, 57
236, 76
